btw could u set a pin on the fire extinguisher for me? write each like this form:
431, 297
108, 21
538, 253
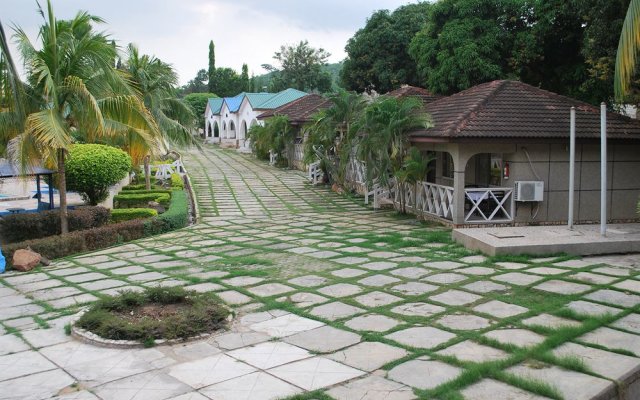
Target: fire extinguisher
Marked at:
506, 170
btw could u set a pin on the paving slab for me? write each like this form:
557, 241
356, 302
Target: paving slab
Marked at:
613, 339
153, 385
445, 278
617, 367
270, 289
489, 389
377, 299
254, 386
236, 340
473, 352
372, 323
590, 277
464, 322
308, 281
629, 323
410, 272
562, 287
516, 337
424, 374
550, 321
379, 265
455, 298
304, 300
335, 310
378, 280
325, 339
348, 272
421, 337
269, 354
444, 265
414, 288
570, 384
368, 356
630, 285
234, 298
500, 309
588, 308
43, 385
315, 373
485, 287
286, 325
614, 297
517, 278
372, 388
209, 370
417, 309
340, 290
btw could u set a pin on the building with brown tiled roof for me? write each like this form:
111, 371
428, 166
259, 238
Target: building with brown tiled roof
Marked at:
491, 140
300, 111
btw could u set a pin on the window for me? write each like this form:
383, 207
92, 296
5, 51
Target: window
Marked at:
447, 166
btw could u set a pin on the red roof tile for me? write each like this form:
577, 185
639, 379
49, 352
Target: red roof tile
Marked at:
407, 91
300, 110
512, 109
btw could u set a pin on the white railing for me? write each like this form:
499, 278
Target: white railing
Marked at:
164, 171
298, 152
273, 157
434, 200
489, 205
315, 173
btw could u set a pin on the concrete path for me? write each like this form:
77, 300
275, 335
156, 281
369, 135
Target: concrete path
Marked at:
333, 301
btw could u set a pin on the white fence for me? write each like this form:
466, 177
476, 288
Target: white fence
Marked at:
164, 171
489, 205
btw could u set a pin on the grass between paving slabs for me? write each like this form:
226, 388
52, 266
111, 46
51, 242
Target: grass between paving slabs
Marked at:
156, 313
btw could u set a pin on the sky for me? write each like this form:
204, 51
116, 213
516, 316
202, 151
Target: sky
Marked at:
179, 31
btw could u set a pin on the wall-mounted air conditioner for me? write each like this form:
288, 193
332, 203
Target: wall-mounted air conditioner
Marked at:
529, 190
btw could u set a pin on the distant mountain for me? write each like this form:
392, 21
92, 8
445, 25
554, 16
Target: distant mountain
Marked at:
262, 81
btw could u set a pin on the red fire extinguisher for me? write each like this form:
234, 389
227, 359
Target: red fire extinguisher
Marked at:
506, 170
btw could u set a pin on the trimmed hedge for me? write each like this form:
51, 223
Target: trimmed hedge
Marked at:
126, 214
176, 181
19, 227
144, 191
177, 216
140, 200
141, 187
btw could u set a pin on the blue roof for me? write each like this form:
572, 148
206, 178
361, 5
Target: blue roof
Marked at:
215, 104
233, 103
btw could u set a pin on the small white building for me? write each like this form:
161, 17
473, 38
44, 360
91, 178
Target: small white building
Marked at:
229, 119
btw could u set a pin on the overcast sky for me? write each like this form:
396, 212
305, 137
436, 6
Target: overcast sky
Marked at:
244, 31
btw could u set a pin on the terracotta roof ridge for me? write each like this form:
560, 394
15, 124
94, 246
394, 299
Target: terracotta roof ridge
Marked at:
465, 116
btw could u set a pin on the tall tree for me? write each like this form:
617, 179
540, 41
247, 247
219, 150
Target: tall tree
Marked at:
12, 96
244, 78
378, 56
228, 82
80, 94
198, 103
300, 68
211, 75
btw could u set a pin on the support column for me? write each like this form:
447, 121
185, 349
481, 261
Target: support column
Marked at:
460, 159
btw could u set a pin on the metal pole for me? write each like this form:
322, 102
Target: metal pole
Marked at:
603, 169
572, 163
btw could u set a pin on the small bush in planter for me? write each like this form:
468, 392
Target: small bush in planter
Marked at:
93, 168
156, 313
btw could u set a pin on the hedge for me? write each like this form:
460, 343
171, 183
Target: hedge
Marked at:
176, 181
177, 216
140, 200
126, 214
150, 191
28, 226
141, 187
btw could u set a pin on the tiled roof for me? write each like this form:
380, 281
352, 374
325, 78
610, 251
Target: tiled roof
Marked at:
280, 99
412, 91
233, 103
215, 104
300, 110
512, 109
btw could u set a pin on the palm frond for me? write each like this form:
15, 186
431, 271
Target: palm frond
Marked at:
628, 48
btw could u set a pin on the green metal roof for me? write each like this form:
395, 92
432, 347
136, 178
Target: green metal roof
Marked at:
281, 98
215, 104
257, 99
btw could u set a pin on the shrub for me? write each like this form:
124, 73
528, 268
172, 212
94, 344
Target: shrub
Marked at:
140, 200
92, 168
135, 187
126, 214
176, 181
20, 227
151, 191
177, 216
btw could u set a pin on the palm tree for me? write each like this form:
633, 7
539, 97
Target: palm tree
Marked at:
628, 49
384, 143
80, 94
332, 132
12, 101
156, 81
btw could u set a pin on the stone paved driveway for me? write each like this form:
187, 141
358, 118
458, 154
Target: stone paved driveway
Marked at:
334, 301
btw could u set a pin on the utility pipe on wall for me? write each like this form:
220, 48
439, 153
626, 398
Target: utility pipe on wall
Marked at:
572, 163
603, 169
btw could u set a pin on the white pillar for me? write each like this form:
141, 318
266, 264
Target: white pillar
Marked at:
603, 169
572, 164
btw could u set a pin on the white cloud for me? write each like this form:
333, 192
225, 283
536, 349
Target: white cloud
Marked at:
244, 31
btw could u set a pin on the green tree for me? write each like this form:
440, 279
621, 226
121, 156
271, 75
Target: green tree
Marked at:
198, 84
198, 103
12, 96
300, 68
211, 75
80, 96
156, 81
628, 49
386, 124
332, 133
275, 136
93, 168
228, 82
244, 78
378, 56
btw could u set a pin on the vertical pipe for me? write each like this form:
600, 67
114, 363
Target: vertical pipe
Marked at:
572, 163
603, 169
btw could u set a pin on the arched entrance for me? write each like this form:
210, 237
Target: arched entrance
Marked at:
243, 130
216, 130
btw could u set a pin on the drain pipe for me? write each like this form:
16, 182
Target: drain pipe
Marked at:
572, 164
603, 169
